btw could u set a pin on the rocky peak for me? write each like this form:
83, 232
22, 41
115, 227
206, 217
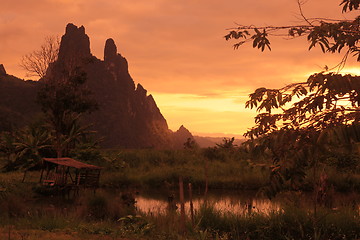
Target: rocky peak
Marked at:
113, 57
183, 131
2, 70
181, 136
72, 29
117, 65
75, 45
140, 90
110, 50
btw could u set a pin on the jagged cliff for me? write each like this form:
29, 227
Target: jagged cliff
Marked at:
2, 70
127, 115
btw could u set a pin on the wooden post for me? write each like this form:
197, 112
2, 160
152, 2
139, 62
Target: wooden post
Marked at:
9, 232
78, 173
41, 175
182, 204
23, 180
98, 178
206, 179
191, 205
66, 175
86, 179
47, 171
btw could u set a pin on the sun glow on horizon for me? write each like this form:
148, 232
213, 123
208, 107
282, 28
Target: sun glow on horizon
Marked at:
351, 70
223, 114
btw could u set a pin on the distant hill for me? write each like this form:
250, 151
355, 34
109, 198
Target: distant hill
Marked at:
18, 101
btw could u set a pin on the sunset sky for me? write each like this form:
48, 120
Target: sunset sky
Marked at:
177, 51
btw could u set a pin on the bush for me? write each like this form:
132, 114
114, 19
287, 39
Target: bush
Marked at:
97, 207
344, 162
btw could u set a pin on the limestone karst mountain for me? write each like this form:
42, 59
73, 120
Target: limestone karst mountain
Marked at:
127, 115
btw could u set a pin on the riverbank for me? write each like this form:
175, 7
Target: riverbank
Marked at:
102, 217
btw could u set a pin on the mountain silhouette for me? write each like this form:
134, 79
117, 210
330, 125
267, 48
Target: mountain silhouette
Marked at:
127, 116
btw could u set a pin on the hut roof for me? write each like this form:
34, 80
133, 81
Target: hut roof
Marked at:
69, 162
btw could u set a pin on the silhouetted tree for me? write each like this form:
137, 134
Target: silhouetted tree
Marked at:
227, 143
331, 35
309, 115
63, 99
190, 144
37, 62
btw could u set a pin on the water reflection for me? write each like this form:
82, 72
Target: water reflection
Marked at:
236, 202
245, 202
242, 202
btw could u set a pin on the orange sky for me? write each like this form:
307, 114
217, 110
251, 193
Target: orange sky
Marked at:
176, 49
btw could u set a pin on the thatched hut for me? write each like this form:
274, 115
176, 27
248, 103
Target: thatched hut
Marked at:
63, 172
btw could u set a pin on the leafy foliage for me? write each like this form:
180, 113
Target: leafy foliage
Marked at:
190, 144
299, 123
62, 96
349, 5
136, 224
30, 143
227, 143
223, 151
331, 35
26, 147
63, 100
326, 99
7, 146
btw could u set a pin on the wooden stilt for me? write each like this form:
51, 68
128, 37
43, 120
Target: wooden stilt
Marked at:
191, 205
182, 204
206, 180
41, 175
23, 180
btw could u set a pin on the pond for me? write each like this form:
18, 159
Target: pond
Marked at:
223, 201
155, 201
240, 202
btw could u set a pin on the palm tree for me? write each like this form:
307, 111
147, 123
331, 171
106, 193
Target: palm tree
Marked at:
72, 134
29, 144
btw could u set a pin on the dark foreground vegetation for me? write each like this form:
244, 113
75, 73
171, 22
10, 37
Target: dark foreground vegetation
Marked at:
27, 215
